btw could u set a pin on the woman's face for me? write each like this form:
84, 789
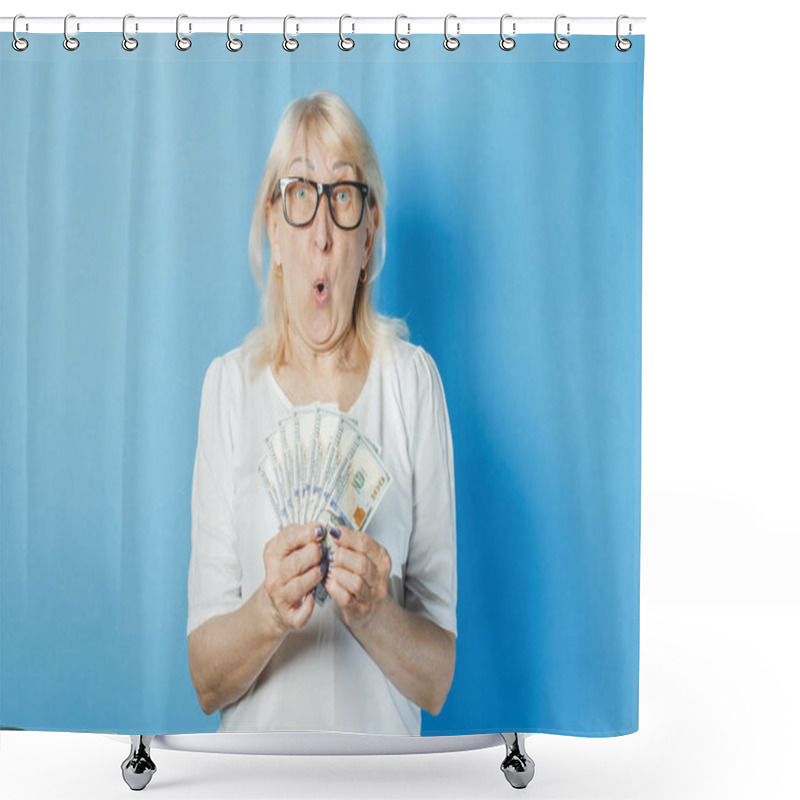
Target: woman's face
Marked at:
321, 262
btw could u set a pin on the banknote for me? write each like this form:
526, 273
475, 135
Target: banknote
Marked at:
307, 422
272, 489
359, 487
326, 453
346, 433
317, 465
273, 477
305, 489
298, 465
328, 427
266, 469
286, 435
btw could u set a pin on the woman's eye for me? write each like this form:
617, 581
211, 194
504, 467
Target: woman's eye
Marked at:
342, 196
302, 193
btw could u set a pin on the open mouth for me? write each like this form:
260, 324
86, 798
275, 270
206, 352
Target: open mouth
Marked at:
320, 290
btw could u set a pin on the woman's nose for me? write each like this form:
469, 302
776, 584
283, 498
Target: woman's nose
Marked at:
323, 225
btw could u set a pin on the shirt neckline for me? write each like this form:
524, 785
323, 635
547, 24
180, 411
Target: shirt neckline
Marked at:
287, 402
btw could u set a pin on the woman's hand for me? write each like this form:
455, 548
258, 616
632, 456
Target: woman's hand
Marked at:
292, 569
358, 575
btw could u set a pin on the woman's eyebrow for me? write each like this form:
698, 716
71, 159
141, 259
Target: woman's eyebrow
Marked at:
336, 165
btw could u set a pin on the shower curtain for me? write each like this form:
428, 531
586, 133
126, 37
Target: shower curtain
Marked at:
513, 253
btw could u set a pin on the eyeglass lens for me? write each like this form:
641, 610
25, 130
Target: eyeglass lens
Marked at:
301, 203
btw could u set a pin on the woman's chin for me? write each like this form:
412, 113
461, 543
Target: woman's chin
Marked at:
321, 335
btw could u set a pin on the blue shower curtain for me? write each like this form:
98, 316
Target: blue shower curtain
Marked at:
513, 253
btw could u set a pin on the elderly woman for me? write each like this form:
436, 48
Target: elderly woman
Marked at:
260, 649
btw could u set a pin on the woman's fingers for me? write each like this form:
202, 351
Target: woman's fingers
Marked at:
294, 602
354, 540
300, 586
291, 567
298, 561
297, 616
358, 577
355, 563
359, 542
293, 537
363, 556
350, 582
345, 599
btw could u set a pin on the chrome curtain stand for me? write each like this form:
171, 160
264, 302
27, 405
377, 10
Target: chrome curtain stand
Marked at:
518, 767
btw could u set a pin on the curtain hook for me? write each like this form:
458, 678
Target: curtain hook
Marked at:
289, 43
400, 42
233, 44
181, 42
507, 42
128, 42
623, 45
561, 43
451, 42
345, 43
70, 42
18, 43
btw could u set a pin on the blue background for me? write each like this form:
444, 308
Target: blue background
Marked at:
514, 253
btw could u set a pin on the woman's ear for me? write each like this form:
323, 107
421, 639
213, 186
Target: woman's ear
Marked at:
372, 235
271, 220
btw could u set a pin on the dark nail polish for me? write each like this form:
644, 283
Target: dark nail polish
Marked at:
323, 566
335, 532
320, 531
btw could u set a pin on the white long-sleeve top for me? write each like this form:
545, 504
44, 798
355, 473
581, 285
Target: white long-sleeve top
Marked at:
320, 678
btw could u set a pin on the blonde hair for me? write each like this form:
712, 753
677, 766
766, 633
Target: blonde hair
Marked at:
327, 117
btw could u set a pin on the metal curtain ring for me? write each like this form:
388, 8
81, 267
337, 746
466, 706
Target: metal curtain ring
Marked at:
507, 42
623, 45
400, 42
181, 42
18, 43
345, 43
233, 44
289, 43
70, 42
451, 42
128, 42
560, 43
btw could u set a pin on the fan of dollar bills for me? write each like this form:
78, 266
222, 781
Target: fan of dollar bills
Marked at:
318, 466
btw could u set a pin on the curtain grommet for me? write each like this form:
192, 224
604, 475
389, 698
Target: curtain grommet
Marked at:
183, 43
400, 42
345, 42
70, 42
18, 43
507, 42
451, 42
289, 44
561, 44
128, 42
623, 45
233, 44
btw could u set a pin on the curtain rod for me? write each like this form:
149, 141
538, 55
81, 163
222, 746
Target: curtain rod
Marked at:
513, 26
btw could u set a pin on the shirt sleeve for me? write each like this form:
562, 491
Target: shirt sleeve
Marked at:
215, 572
430, 579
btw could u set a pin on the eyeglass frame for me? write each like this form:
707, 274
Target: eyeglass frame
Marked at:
322, 189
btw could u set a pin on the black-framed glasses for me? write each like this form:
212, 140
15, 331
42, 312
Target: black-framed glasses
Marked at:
346, 200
